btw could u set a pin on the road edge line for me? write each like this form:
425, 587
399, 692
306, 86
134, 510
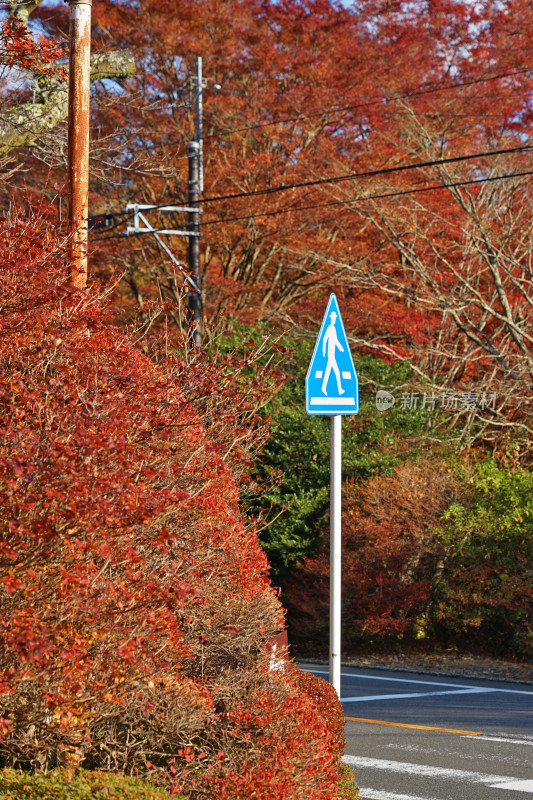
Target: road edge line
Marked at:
415, 727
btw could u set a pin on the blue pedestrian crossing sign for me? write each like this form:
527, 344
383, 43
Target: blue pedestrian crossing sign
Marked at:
331, 385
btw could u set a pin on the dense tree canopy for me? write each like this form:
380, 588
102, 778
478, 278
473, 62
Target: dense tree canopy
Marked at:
380, 149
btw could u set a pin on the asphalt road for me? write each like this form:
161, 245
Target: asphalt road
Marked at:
429, 737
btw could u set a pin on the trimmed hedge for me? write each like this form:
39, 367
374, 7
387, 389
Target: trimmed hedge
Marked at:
135, 603
65, 784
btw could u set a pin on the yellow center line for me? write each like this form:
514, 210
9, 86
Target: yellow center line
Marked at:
416, 727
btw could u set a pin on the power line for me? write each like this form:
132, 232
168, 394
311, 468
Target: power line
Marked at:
436, 186
291, 209
426, 114
337, 179
370, 173
415, 92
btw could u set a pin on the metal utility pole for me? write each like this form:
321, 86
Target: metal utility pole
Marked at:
78, 137
195, 298
335, 580
199, 123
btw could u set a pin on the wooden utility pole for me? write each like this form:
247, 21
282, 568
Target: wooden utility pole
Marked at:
78, 137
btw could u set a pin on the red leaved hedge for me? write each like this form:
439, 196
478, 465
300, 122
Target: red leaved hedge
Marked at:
134, 602
327, 703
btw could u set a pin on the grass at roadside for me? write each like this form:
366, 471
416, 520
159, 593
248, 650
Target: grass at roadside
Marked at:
348, 789
64, 784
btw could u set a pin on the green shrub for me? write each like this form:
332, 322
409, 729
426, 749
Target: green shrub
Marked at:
485, 598
64, 784
348, 789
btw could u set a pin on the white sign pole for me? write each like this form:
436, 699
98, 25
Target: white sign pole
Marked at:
335, 554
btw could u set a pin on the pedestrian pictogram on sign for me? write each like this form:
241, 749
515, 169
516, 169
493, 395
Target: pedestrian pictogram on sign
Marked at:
331, 385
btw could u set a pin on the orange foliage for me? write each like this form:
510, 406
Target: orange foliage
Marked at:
134, 602
390, 556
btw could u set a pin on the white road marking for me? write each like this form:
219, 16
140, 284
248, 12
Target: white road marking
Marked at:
430, 772
486, 738
362, 699
514, 786
412, 680
375, 794
394, 680
513, 759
